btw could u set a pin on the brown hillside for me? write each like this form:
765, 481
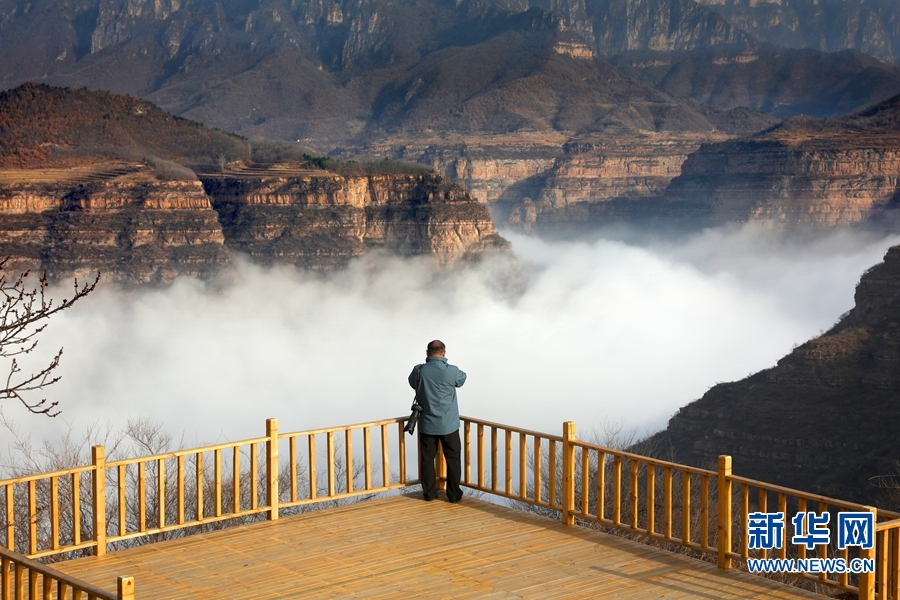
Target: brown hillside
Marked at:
825, 418
42, 125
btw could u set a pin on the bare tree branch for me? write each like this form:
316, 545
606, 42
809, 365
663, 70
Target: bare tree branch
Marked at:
24, 310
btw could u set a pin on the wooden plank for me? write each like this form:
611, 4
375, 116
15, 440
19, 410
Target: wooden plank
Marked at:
367, 550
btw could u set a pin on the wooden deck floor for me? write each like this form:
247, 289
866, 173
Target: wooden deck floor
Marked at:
403, 547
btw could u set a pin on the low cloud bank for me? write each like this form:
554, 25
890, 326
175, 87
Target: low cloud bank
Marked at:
583, 331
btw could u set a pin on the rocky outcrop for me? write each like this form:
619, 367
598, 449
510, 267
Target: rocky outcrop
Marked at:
124, 222
604, 179
869, 26
138, 229
806, 172
321, 220
779, 81
825, 418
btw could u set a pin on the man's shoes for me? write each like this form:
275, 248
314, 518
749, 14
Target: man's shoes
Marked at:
454, 500
427, 499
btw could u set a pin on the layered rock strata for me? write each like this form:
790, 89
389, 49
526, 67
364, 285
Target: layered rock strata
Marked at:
825, 418
806, 172
131, 227
137, 229
321, 220
541, 181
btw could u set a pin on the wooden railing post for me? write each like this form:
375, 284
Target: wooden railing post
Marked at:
272, 467
723, 539
98, 480
867, 580
568, 483
126, 588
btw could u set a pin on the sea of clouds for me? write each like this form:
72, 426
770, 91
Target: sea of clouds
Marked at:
611, 329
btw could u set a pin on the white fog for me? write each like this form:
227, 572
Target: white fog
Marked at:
578, 331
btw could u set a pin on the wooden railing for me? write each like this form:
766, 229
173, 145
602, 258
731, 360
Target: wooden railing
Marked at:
22, 577
89, 507
84, 509
703, 510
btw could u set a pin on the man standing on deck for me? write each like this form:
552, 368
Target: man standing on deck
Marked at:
435, 383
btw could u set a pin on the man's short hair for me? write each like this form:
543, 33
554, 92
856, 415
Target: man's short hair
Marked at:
435, 347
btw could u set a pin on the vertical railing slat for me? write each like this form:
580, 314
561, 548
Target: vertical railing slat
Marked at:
507, 457
122, 486
161, 491
704, 511
686, 507
480, 455
236, 479
601, 485
585, 479
179, 487
292, 449
385, 470
667, 502
617, 489
313, 477
523, 463
633, 493
330, 460
348, 448
11, 516
142, 497
254, 476
217, 482
651, 498
198, 469
551, 470
494, 467
32, 517
54, 513
367, 457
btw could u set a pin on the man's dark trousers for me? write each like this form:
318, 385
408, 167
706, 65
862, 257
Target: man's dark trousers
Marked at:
428, 450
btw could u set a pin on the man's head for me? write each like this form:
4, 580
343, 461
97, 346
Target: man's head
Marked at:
436, 348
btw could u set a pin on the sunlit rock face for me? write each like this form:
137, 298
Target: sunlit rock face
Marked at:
322, 220
824, 419
803, 172
132, 227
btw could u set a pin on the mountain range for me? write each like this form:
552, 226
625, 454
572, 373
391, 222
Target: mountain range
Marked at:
349, 72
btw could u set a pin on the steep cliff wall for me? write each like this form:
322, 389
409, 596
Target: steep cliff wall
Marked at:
870, 26
133, 227
323, 220
139, 229
825, 418
823, 173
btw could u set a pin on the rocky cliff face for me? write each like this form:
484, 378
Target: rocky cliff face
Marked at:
831, 172
869, 26
122, 221
139, 229
825, 418
322, 220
